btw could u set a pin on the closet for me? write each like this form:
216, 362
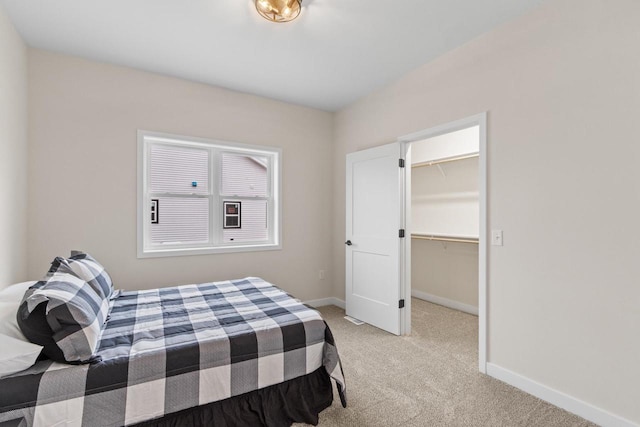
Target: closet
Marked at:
445, 219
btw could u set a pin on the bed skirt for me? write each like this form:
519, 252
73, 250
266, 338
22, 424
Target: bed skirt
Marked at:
299, 400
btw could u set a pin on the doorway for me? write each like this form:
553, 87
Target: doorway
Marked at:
378, 283
463, 231
445, 219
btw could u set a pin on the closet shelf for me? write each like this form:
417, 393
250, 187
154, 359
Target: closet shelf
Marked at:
444, 238
447, 160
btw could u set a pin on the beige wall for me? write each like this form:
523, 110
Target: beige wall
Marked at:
445, 270
562, 89
445, 205
83, 121
445, 199
13, 154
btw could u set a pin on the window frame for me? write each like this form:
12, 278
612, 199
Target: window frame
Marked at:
215, 195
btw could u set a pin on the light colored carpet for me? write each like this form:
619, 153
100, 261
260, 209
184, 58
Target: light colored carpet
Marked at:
430, 378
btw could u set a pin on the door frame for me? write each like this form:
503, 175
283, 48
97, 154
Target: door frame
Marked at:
479, 120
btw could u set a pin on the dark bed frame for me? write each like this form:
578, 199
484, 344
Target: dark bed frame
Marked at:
299, 400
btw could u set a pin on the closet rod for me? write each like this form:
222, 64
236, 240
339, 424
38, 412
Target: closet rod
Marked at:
451, 159
445, 238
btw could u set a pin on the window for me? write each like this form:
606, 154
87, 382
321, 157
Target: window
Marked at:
198, 196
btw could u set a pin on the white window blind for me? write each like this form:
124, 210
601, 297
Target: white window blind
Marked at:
244, 175
184, 185
181, 220
254, 225
175, 170
180, 172
246, 179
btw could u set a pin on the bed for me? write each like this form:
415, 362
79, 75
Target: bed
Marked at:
240, 352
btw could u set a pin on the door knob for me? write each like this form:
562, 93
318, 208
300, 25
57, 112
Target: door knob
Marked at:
348, 243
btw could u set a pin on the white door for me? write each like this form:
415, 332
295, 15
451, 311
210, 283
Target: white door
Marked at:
375, 186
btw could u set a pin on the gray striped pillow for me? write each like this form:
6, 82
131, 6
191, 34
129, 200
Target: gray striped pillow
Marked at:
88, 269
73, 312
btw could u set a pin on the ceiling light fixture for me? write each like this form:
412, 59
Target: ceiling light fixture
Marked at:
279, 10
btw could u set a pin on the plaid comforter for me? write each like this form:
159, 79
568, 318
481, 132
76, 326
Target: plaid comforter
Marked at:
169, 349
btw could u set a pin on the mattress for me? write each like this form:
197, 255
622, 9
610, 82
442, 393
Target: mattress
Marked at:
169, 349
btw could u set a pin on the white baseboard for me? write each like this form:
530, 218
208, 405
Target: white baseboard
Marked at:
326, 301
445, 302
558, 398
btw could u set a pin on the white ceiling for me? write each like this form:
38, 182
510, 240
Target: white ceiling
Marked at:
336, 51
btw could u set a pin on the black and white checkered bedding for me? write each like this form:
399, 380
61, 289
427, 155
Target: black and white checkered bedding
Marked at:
74, 313
165, 350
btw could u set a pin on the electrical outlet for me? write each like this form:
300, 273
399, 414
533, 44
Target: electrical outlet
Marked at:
321, 274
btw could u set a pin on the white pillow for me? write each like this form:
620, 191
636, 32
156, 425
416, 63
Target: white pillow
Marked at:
9, 322
16, 355
10, 299
14, 293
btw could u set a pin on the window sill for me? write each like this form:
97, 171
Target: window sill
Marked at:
171, 252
